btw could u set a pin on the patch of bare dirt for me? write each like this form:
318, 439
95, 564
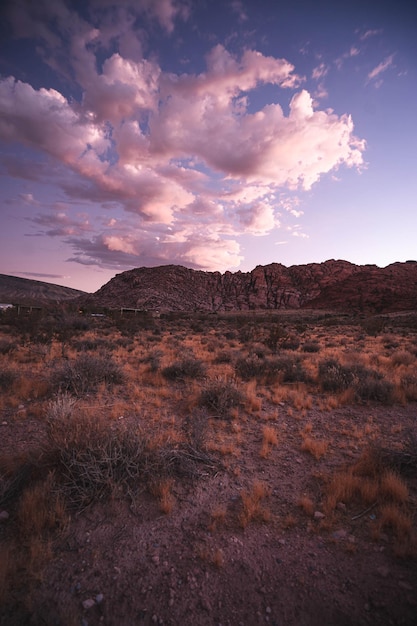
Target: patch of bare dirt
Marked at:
125, 563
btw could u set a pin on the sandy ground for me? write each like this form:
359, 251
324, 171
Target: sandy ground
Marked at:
125, 562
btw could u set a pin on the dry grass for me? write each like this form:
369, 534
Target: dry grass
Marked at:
217, 518
316, 447
307, 505
253, 504
269, 440
132, 410
162, 489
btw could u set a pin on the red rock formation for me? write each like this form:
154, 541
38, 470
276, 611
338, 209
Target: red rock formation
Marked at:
334, 284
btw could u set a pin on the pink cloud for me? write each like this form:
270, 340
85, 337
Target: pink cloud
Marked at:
381, 67
180, 153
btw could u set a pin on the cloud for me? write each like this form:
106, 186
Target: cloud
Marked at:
320, 71
59, 224
186, 159
39, 275
351, 53
371, 33
380, 68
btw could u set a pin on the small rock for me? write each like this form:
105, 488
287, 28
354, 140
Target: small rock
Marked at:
88, 604
4, 516
318, 515
339, 534
99, 598
155, 559
268, 609
341, 506
4, 423
383, 571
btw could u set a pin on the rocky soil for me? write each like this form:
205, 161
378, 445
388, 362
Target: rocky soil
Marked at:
124, 563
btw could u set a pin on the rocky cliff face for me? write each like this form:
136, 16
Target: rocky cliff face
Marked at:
336, 285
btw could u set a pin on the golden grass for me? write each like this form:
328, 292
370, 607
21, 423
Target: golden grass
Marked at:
269, 439
162, 489
253, 506
217, 517
306, 504
316, 447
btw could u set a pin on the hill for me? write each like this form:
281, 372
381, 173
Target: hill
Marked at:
15, 290
337, 285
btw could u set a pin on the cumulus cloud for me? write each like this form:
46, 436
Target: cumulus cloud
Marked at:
192, 166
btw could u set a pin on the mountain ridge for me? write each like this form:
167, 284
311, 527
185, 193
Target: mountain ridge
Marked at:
16, 290
332, 284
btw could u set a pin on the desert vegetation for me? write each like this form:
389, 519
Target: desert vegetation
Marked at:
208, 435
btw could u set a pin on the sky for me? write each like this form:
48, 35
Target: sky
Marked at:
215, 134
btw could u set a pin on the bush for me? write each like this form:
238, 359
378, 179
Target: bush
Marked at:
223, 357
366, 383
250, 367
6, 346
85, 374
7, 378
286, 368
371, 385
187, 368
94, 460
311, 346
289, 369
153, 360
333, 376
90, 345
220, 397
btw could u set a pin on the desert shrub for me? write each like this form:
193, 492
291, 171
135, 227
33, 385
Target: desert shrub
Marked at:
250, 367
95, 460
310, 346
285, 368
220, 396
409, 385
153, 360
291, 342
186, 368
402, 357
371, 385
7, 379
289, 369
84, 374
333, 376
223, 357
276, 336
373, 325
6, 346
367, 384
90, 345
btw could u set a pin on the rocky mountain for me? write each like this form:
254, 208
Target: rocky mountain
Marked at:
14, 290
337, 285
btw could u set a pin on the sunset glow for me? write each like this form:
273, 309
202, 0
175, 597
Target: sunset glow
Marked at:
215, 135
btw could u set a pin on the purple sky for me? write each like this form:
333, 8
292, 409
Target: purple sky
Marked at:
214, 134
